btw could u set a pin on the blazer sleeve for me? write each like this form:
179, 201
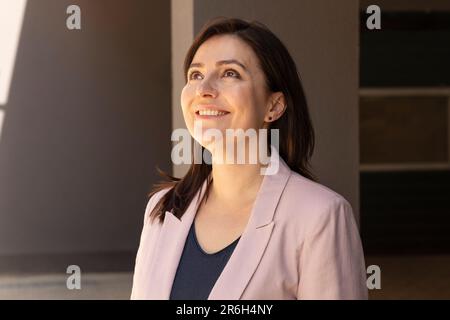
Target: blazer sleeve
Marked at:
332, 262
149, 208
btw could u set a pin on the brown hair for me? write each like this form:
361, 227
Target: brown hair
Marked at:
296, 133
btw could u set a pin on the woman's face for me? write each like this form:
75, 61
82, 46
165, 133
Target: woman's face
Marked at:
225, 88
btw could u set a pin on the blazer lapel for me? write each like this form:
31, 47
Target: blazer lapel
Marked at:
246, 255
250, 248
172, 237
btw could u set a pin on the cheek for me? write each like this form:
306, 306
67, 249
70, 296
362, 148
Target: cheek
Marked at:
187, 96
240, 97
186, 101
259, 97
249, 106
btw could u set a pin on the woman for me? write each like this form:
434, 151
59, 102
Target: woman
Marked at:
225, 231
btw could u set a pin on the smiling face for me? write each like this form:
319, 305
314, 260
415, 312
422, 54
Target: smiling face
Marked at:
225, 87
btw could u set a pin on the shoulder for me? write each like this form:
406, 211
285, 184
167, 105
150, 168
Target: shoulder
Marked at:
311, 205
311, 194
152, 202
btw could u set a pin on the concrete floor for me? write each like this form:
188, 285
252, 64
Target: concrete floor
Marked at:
101, 286
402, 277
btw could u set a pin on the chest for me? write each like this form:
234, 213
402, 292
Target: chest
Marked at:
215, 228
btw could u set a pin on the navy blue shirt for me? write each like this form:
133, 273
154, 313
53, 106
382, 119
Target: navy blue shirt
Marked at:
197, 270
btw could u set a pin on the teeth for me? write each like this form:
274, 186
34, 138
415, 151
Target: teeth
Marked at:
211, 113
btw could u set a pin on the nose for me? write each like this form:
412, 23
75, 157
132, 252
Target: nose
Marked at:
206, 88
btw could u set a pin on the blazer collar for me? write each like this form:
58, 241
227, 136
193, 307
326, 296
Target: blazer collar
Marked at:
247, 254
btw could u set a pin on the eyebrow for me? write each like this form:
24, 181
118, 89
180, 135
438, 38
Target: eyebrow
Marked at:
221, 62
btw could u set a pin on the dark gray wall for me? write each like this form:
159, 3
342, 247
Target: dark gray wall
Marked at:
83, 126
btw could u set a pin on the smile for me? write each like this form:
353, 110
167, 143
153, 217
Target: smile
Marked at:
210, 113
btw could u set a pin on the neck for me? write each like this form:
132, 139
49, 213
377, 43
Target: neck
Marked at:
236, 183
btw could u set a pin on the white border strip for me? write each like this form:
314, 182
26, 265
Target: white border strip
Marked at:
11, 19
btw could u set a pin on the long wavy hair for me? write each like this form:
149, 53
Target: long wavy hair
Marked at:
296, 133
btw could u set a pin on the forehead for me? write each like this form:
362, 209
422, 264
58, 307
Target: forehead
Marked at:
224, 47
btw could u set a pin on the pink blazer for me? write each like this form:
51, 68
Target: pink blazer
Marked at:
301, 242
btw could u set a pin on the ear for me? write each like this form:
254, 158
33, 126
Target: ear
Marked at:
277, 106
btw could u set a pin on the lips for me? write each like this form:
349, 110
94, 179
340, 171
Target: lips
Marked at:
209, 115
210, 111
209, 107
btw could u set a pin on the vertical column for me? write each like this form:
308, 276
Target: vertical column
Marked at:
182, 22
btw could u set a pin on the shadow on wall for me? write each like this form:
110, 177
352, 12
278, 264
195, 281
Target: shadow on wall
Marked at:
82, 128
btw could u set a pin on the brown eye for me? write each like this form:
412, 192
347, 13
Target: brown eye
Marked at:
192, 75
234, 73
